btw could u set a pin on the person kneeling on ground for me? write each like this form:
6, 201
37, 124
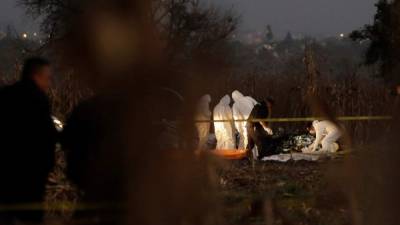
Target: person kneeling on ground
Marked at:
326, 134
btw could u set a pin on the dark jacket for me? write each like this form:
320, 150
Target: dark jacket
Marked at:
257, 135
27, 142
92, 140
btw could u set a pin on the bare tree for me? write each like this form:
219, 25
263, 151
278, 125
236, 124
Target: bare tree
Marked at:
311, 69
187, 26
184, 25
384, 38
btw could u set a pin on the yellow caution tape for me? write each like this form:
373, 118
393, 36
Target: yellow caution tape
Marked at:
64, 205
302, 119
56, 206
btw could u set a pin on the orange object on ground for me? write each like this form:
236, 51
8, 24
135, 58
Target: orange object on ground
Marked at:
230, 153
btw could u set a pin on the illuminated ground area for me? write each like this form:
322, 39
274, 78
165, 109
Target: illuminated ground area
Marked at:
271, 193
282, 193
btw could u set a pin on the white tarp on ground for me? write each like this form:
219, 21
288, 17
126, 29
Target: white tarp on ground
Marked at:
297, 157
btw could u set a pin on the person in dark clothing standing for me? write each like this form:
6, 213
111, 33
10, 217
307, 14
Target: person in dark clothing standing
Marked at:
27, 141
259, 133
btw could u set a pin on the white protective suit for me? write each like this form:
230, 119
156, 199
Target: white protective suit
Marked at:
224, 130
326, 134
203, 113
241, 111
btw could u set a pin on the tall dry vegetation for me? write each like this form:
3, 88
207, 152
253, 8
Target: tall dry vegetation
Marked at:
353, 92
161, 185
190, 32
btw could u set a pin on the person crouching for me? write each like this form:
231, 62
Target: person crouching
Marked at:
326, 134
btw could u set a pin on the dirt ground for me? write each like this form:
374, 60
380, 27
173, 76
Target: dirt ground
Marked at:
265, 193
282, 193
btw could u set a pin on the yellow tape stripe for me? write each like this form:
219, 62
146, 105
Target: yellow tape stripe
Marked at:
56, 206
302, 119
62, 206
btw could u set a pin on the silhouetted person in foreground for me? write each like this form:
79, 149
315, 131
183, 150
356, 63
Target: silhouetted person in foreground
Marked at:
27, 142
91, 139
97, 140
94, 148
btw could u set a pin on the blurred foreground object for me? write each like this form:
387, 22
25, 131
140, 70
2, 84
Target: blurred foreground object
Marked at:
117, 152
203, 112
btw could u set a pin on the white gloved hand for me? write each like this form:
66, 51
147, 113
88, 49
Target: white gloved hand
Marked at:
308, 149
269, 131
334, 148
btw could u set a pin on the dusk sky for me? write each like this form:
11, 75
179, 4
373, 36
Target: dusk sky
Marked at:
11, 14
311, 17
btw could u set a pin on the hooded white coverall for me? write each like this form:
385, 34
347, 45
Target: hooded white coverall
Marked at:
224, 130
203, 113
326, 134
241, 111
